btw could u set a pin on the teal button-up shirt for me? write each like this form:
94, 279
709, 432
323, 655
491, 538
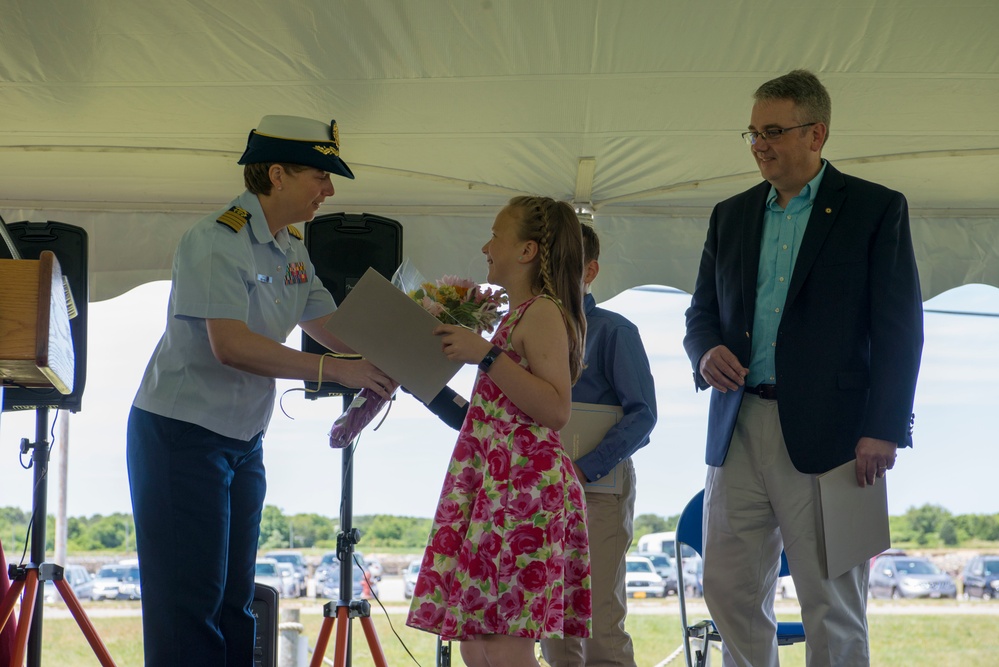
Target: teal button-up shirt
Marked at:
783, 230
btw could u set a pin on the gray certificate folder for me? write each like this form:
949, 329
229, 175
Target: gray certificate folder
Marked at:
854, 519
588, 424
392, 331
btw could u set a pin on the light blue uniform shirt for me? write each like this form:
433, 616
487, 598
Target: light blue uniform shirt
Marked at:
218, 273
783, 230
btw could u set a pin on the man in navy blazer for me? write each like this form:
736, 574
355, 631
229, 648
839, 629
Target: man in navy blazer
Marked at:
806, 321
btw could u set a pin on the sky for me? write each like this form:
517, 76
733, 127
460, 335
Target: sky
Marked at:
399, 468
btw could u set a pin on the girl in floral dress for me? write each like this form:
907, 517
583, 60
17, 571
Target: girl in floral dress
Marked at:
507, 559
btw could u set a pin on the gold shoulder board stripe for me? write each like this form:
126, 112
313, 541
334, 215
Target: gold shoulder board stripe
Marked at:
294, 232
235, 218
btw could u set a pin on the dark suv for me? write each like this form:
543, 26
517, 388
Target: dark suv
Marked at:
981, 577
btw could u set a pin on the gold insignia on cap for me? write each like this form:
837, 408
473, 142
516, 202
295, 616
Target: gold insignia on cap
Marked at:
294, 232
327, 150
335, 148
235, 218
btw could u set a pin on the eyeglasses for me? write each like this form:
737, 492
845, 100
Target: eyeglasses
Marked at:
771, 134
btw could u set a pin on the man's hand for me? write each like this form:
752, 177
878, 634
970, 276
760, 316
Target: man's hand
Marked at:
721, 369
874, 458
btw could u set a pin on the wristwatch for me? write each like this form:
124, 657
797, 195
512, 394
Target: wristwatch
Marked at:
487, 361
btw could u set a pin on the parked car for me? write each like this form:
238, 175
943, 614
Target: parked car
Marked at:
117, 581
374, 567
297, 561
409, 576
693, 577
665, 568
981, 577
80, 581
909, 577
268, 572
328, 577
289, 580
641, 579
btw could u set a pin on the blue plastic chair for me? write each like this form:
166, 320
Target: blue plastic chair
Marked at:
689, 532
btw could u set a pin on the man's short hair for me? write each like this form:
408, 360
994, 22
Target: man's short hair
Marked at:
805, 90
591, 244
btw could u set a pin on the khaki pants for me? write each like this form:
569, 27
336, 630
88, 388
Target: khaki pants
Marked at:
609, 523
754, 504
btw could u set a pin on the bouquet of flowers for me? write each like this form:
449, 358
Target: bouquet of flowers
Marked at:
452, 300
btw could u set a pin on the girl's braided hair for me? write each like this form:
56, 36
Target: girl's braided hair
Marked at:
553, 225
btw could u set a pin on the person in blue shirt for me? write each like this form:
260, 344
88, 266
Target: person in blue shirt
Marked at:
806, 324
617, 372
242, 280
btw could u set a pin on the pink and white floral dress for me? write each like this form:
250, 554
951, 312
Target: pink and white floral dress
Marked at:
508, 551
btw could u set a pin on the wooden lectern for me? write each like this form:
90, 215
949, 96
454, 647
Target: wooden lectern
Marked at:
36, 347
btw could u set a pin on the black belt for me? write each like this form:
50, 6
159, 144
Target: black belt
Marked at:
767, 391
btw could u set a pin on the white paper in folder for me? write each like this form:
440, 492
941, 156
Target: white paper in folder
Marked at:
395, 333
854, 519
588, 424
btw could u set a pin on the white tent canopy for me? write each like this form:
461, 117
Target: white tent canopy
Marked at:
126, 118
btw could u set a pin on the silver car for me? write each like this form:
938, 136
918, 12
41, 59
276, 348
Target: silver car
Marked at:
900, 577
409, 576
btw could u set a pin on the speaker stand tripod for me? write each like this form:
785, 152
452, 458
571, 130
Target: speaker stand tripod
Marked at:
30, 578
345, 609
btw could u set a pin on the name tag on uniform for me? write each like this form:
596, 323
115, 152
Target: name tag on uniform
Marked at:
264, 279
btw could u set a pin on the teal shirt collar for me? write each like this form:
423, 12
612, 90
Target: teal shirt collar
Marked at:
808, 192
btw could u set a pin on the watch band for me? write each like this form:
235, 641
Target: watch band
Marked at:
487, 361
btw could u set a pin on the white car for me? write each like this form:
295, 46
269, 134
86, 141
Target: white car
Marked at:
374, 567
268, 573
641, 579
409, 576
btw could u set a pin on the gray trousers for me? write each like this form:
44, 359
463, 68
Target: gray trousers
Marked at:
755, 504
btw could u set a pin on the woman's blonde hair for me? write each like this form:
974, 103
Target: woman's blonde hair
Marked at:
553, 225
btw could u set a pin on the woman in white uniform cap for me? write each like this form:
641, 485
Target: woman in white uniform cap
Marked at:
242, 280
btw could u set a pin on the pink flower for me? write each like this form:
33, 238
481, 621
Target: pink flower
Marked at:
552, 498
448, 511
575, 627
524, 478
446, 541
498, 461
427, 582
511, 603
580, 601
576, 570
524, 506
534, 577
481, 567
473, 600
490, 544
428, 615
553, 618
525, 539
468, 479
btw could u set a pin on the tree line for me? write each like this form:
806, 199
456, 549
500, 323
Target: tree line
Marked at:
927, 526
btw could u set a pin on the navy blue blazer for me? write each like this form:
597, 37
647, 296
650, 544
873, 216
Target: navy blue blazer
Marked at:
851, 334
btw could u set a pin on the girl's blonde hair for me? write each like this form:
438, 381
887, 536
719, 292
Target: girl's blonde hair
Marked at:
553, 225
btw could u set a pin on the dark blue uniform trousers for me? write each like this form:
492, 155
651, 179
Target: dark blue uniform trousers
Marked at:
197, 499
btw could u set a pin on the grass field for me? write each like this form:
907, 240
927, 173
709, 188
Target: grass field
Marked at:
910, 640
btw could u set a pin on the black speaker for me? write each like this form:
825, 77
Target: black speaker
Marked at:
265, 610
342, 246
69, 244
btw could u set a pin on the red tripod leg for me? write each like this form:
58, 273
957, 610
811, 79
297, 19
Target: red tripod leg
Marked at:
376, 647
100, 650
9, 600
24, 620
322, 642
343, 625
